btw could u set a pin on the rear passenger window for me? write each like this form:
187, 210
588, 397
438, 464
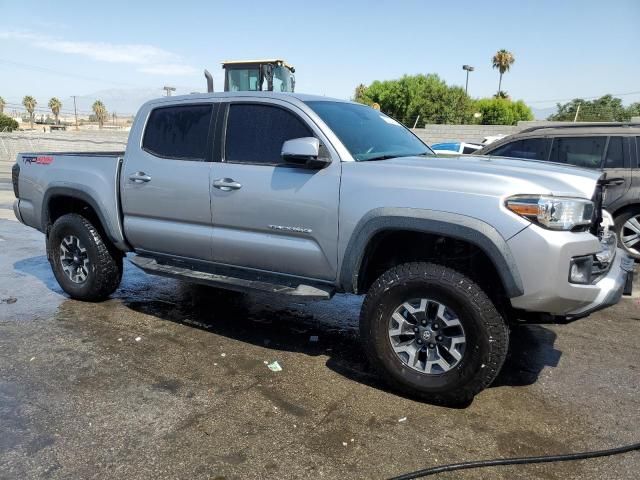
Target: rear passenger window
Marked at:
255, 133
614, 157
579, 151
179, 132
529, 148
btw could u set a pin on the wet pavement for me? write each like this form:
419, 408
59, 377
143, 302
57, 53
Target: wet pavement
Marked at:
170, 380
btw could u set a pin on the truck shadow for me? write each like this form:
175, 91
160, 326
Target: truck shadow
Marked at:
281, 323
323, 328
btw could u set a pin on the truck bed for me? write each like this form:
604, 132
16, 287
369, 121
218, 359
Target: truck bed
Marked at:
92, 176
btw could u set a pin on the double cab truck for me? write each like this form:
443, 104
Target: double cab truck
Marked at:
307, 196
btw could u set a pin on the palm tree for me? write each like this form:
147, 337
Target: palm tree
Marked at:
100, 111
502, 60
2, 104
30, 105
55, 105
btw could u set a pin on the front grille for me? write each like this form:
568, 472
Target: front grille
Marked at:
596, 218
15, 173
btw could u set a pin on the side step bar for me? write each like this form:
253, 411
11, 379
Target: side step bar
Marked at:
151, 266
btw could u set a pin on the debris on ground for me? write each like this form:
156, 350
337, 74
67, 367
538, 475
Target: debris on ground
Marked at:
403, 419
223, 354
32, 359
138, 339
265, 362
313, 338
120, 339
344, 444
275, 367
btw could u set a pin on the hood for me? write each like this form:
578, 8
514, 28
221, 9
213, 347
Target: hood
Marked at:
498, 175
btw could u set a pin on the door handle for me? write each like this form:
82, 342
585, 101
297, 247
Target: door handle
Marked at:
226, 184
139, 177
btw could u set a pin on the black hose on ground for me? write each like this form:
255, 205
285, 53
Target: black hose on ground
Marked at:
518, 461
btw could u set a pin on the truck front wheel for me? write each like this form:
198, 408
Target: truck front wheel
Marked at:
433, 333
84, 265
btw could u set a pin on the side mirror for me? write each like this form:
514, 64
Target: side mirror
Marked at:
304, 152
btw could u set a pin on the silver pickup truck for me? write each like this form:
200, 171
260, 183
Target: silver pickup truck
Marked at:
308, 196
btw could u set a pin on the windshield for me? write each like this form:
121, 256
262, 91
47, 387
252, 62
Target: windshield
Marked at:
282, 80
367, 133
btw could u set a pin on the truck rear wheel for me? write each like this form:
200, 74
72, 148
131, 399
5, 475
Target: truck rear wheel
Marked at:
433, 333
84, 265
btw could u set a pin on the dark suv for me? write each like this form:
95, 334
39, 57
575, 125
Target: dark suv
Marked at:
613, 148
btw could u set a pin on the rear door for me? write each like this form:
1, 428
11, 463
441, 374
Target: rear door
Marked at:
617, 165
272, 216
166, 182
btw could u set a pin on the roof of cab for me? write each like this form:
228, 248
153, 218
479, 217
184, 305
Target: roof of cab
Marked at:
262, 60
302, 97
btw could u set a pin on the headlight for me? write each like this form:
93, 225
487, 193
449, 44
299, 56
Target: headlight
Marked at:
555, 213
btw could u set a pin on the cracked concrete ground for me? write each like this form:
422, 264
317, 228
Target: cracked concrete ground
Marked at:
168, 380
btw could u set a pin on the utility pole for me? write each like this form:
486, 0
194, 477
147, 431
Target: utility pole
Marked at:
467, 68
169, 90
75, 110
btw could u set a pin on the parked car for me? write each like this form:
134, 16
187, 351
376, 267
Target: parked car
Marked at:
455, 148
492, 138
308, 196
612, 148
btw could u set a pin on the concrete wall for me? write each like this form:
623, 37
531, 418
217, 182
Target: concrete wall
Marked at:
465, 133
68, 141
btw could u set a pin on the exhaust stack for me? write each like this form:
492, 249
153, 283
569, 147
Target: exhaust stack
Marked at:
209, 78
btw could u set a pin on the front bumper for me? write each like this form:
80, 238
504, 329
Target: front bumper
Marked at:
544, 266
617, 282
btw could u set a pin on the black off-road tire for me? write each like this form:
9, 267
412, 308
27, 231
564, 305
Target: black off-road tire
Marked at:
105, 261
487, 334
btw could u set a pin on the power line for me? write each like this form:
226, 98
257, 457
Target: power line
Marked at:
583, 98
37, 68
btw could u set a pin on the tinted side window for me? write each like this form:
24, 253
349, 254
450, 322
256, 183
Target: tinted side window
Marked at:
255, 133
178, 132
614, 157
529, 148
580, 151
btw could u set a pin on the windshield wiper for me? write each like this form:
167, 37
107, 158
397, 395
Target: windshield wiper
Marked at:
381, 157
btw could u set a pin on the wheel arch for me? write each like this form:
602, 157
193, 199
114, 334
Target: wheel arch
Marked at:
58, 201
440, 224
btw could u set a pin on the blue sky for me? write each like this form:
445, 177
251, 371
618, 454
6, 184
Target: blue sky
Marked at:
563, 49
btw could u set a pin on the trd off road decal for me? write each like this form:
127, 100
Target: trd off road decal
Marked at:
40, 160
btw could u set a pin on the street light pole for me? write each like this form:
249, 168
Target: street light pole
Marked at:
75, 110
467, 68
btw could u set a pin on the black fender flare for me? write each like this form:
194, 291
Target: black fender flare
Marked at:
53, 192
453, 225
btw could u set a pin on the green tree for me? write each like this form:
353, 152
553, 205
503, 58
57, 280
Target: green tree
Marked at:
360, 95
502, 111
604, 109
7, 124
633, 110
502, 60
55, 105
100, 111
30, 105
425, 98
2, 104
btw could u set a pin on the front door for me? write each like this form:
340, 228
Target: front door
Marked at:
166, 184
267, 215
